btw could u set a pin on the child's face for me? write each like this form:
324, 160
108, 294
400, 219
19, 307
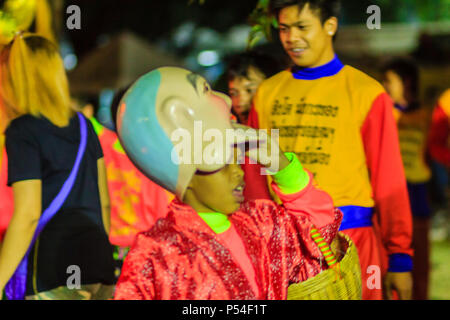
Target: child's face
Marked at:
394, 86
221, 191
242, 90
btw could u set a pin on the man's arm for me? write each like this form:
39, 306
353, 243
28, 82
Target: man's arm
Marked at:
296, 189
306, 208
381, 144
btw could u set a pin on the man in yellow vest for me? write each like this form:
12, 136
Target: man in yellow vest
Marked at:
340, 123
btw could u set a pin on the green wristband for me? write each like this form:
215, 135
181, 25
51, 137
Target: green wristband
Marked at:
293, 178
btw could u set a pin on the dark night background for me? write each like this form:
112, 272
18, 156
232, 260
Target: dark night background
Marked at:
156, 19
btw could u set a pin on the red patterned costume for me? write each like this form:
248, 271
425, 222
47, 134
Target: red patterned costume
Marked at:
182, 258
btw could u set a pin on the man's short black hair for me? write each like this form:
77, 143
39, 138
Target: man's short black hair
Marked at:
325, 8
407, 70
239, 64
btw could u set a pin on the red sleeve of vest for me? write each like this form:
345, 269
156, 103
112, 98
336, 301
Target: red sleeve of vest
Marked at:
381, 144
256, 185
438, 137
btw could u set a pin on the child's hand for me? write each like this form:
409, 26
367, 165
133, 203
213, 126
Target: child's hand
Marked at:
263, 148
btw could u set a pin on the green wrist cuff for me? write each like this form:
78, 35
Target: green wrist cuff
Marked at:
293, 178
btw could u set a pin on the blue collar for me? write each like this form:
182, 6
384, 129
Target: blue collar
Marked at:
408, 108
400, 107
327, 70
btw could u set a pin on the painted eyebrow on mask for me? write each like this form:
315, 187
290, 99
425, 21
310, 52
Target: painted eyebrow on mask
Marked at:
192, 78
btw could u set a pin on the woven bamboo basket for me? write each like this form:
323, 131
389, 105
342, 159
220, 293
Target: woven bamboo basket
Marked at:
340, 282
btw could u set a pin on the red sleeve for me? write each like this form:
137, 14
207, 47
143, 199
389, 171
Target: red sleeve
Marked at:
438, 137
314, 204
134, 284
308, 208
381, 144
256, 186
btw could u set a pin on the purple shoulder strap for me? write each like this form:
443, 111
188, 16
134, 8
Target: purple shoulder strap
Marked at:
16, 286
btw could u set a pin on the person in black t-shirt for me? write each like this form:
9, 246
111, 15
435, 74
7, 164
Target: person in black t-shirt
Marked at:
72, 257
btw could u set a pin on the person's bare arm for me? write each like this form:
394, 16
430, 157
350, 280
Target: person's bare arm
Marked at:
104, 195
27, 211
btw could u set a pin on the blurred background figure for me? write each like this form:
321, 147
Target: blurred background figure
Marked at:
17, 15
440, 131
136, 202
439, 148
245, 72
48, 146
401, 80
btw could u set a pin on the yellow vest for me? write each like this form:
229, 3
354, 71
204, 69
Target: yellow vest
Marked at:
321, 120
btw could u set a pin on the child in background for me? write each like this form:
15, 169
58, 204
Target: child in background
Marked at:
401, 80
245, 72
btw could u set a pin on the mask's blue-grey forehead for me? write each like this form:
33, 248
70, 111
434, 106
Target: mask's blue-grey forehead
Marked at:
141, 134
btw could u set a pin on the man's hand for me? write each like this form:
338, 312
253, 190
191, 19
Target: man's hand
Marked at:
401, 282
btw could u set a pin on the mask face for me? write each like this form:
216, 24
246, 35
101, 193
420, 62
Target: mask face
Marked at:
188, 103
167, 123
